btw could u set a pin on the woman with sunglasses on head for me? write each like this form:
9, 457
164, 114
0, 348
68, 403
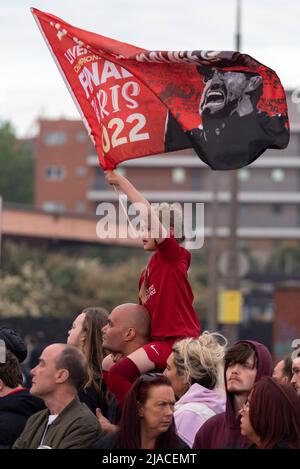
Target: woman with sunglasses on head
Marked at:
270, 419
147, 418
196, 371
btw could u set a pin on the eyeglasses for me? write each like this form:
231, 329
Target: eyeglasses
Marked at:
245, 407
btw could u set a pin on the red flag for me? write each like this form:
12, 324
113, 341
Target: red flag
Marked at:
226, 105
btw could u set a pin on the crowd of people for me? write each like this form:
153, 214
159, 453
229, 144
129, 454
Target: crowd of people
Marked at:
143, 376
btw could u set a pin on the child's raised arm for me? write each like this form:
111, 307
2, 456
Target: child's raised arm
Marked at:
141, 204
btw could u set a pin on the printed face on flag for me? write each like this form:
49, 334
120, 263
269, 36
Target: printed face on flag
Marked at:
134, 102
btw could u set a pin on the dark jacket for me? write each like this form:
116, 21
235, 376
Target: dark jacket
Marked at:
74, 428
223, 430
15, 409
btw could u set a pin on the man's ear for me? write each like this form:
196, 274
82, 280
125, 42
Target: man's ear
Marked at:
285, 380
253, 83
130, 334
2, 385
62, 375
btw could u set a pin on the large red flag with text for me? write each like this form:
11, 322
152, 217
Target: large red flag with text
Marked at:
227, 106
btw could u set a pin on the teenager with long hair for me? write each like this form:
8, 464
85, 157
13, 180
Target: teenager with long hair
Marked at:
86, 334
164, 290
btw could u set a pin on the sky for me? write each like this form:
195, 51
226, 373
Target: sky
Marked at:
31, 85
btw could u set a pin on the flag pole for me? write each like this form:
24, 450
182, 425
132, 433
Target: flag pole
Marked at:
134, 232
213, 255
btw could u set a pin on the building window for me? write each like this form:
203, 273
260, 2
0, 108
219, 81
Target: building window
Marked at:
277, 175
178, 175
55, 138
54, 173
54, 207
80, 207
81, 136
243, 210
244, 174
277, 209
80, 171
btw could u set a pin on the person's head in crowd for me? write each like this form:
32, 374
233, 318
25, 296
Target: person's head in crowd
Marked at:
60, 374
13, 342
66, 423
245, 363
147, 419
198, 361
86, 335
10, 374
128, 328
271, 416
295, 381
16, 404
283, 370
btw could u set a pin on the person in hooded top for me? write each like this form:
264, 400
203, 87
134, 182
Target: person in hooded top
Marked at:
270, 419
246, 362
195, 369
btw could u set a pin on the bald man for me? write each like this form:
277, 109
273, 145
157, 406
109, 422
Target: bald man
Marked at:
128, 329
66, 423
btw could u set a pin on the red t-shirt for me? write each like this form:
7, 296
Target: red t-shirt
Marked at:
170, 297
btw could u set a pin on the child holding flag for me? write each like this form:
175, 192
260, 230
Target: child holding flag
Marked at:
164, 290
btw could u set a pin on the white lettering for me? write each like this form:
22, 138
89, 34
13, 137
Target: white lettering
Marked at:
115, 97
87, 78
109, 71
135, 90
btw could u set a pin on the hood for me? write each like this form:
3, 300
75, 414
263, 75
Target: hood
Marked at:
264, 368
210, 397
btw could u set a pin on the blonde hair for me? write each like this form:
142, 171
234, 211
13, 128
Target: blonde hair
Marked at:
170, 216
201, 360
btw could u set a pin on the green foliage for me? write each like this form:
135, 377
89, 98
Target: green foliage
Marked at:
17, 168
36, 282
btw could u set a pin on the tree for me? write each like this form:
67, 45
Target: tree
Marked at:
17, 168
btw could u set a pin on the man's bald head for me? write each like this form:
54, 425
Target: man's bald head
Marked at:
136, 316
128, 326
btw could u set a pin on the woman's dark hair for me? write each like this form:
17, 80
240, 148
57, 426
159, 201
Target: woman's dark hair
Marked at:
274, 413
10, 371
95, 319
129, 436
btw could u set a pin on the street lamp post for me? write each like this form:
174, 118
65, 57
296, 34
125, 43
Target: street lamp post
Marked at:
232, 280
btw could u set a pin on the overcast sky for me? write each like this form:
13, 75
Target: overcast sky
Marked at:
31, 85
